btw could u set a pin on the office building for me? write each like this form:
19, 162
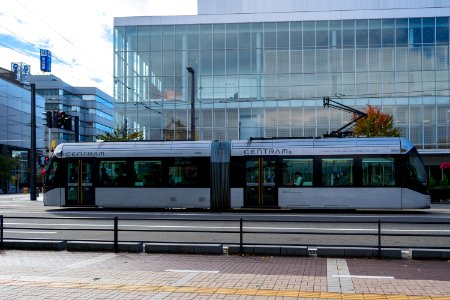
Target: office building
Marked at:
15, 128
90, 106
261, 69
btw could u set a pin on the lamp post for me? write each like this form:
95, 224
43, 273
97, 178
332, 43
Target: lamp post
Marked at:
191, 70
32, 177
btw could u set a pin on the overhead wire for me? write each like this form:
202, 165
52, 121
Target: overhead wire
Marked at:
229, 100
63, 37
53, 55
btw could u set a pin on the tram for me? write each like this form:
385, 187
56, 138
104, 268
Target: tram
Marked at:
316, 173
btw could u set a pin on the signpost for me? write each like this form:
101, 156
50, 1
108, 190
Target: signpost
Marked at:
46, 60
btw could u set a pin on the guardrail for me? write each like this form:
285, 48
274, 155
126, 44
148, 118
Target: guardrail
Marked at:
240, 234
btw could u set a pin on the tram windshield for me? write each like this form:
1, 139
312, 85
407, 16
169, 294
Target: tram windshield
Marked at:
53, 174
416, 170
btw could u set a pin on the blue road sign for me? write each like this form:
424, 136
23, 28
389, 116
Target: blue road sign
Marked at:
46, 60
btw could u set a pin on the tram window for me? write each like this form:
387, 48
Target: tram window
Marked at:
148, 172
252, 171
113, 173
378, 171
415, 169
72, 175
297, 171
53, 176
337, 171
185, 172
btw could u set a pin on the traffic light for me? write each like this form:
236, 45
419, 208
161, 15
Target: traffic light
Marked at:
60, 119
55, 118
68, 122
48, 118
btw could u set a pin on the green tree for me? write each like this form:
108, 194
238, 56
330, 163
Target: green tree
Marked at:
120, 134
377, 123
7, 164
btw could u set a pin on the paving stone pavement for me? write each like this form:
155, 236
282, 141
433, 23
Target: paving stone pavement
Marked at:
97, 275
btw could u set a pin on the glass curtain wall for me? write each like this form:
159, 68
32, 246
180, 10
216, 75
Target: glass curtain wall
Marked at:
268, 79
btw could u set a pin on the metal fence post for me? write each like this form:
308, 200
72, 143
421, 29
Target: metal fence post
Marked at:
241, 237
379, 238
1, 232
116, 234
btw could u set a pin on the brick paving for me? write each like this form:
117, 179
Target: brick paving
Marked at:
96, 275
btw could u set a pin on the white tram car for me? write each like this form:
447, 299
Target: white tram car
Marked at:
332, 173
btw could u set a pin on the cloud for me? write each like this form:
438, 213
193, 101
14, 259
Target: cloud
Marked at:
79, 34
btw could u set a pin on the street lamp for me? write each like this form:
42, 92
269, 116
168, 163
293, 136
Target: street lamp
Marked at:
191, 70
33, 144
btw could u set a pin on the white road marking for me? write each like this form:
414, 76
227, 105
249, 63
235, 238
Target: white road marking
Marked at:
365, 277
234, 227
32, 232
90, 261
337, 276
191, 271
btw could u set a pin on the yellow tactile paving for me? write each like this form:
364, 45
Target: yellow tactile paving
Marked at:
224, 291
327, 295
205, 290
288, 293
352, 296
266, 293
373, 297
309, 294
145, 288
397, 297
187, 289
246, 292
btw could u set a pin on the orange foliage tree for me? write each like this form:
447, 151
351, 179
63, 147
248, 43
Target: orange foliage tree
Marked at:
377, 123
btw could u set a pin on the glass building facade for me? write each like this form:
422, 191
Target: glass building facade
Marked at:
268, 78
15, 130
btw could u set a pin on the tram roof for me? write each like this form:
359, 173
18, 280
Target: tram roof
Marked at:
257, 147
327, 146
134, 149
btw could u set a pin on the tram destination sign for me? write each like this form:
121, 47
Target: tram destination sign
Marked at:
253, 151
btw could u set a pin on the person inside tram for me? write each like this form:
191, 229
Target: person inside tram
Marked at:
121, 178
73, 175
298, 179
104, 177
271, 176
341, 179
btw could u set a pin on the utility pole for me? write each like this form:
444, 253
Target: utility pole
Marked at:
33, 144
77, 129
191, 71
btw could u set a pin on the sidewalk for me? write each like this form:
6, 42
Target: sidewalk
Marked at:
82, 275
21, 197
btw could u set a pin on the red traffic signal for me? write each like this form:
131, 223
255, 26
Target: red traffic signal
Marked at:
61, 116
48, 118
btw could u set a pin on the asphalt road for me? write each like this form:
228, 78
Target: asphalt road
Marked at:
22, 217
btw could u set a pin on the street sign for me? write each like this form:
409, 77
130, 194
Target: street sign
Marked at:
15, 68
46, 60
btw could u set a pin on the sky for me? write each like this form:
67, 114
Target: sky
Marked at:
79, 33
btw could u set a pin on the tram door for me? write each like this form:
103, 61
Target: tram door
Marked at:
80, 188
260, 189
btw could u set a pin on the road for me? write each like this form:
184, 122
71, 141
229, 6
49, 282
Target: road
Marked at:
22, 217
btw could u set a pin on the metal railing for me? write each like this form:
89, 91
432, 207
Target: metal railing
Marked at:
372, 233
